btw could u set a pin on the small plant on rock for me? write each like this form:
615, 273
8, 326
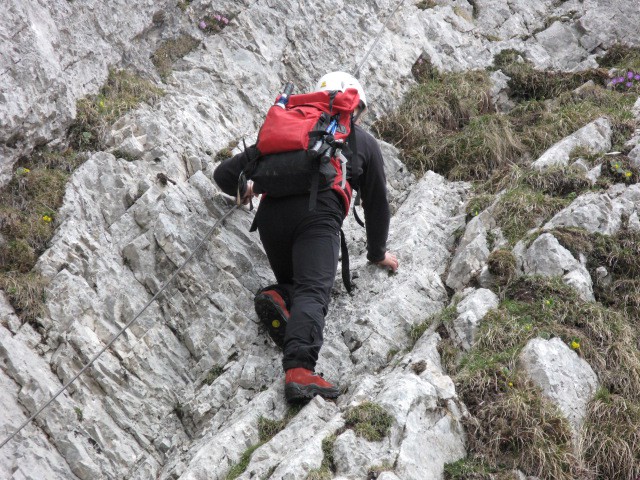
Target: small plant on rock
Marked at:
170, 52
214, 22
502, 264
369, 421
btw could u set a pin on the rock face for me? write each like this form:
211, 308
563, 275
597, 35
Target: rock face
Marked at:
565, 378
548, 258
600, 212
180, 394
471, 310
595, 136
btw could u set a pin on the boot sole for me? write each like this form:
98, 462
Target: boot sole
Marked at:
296, 393
268, 312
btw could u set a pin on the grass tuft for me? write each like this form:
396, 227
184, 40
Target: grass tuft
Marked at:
622, 57
170, 52
512, 425
26, 292
502, 264
239, 468
611, 441
122, 92
369, 421
523, 208
447, 122
213, 374
328, 465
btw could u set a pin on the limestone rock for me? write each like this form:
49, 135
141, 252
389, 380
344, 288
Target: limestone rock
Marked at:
565, 378
473, 251
599, 212
596, 136
471, 310
500, 92
548, 258
180, 394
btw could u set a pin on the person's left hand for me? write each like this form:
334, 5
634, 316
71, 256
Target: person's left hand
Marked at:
248, 194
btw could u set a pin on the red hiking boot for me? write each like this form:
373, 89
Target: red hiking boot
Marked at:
273, 313
301, 385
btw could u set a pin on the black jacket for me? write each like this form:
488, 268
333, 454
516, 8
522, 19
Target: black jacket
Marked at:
371, 185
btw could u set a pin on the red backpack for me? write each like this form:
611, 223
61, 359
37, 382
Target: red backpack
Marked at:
302, 146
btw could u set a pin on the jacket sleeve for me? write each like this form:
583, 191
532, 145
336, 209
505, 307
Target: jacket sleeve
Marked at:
226, 174
373, 190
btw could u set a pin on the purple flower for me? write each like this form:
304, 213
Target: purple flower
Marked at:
629, 84
630, 75
225, 20
202, 24
620, 79
637, 77
613, 82
218, 17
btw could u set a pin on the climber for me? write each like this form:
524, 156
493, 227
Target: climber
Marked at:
302, 246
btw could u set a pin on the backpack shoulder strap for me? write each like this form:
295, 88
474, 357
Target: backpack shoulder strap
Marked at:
355, 171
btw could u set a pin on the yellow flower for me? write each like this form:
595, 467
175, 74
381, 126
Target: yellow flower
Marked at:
527, 328
575, 345
627, 174
511, 384
26, 170
47, 218
101, 103
616, 165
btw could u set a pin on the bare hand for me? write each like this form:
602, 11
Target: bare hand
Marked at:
248, 193
390, 261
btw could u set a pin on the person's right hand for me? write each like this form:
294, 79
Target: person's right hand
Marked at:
389, 261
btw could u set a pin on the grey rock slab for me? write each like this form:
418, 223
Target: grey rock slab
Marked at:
500, 92
380, 316
634, 157
30, 455
413, 396
636, 108
565, 378
473, 250
548, 258
8, 317
596, 136
599, 212
354, 456
561, 42
594, 174
471, 309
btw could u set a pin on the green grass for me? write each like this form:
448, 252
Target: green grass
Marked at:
426, 4
213, 374
170, 51
611, 442
369, 420
622, 57
502, 264
446, 315
512, 424
447, 122
524, 208
239, 468
325, 472
122, 92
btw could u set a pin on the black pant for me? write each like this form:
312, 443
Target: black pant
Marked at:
302, 247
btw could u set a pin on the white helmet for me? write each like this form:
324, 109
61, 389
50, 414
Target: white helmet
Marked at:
341, 81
